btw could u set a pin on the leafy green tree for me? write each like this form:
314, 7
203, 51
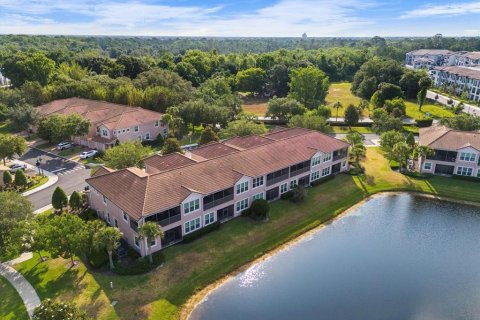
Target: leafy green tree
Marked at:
424, 83
243, 128
24, 67
251, 80
208, 135
386, 91
10, 146
358, 152
132, 66
410, 140
423, 152
59, 199
108, 239
66, 236
309, 86
127, 154
173, 120
463, 122
52, 310
284, 108
299, 193
15, 212
72, 70
76, 201
352, 116
171, 146
389, 139
7, 178
21, 180
159, 98
259, 209
33, 93
92, 229
312, 122
354, 138
23, 116
395, 106
409, 82
277, 82
74, 125
150, 231
400, 152
323, 111
383, 122
37, 237
56, 128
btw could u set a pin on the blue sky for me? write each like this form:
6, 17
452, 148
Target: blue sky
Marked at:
321, 18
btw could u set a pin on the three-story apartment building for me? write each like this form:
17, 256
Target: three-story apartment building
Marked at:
462, 78
456, 152
216, 182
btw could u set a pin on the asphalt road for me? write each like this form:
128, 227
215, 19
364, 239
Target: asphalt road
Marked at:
468, 108
71, 175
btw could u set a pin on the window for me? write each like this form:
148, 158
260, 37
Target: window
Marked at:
257, 182
326, 171
327, 157
191, 206
135, 129
464, 171
153, 243
136, 240
293, 184
192, 225
125, 216
257, 196
242, 187
315, 175
104, 199
104, 133
115, 222
165, 131
157, 123
284, 188
242, 205
466, 156
128, 129
98, 129
147, 136
427, 166
209, 218
478, 173
344, 163
316, 161
108, 217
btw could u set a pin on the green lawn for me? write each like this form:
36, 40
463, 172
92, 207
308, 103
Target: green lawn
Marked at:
435, 110
190, 267
71, 151
341, 92
11, 307
338, 129
41, 181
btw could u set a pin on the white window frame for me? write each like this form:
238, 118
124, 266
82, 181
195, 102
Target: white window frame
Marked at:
258, 196
154, 241
315, 175
193, 225
187, 207
241, 205
241, 187
293, 184
108, 217
104, 199
104, 133
157, 123
136, 241
467, 156
326, 171
463, 171
257, 182
316, 161
327, 157
429, 166
147, 136
209, 218
282, 189
115, 223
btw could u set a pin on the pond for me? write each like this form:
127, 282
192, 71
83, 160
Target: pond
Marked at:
394, 257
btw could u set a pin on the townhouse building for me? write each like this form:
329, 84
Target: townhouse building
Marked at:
216, 182
428, 58
456, 152
462, 78
109, 121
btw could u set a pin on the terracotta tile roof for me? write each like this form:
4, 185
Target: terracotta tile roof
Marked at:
247, 142
167, 189
286, 133
213, 150
448, 139
470, 72
168, 162
101, 171
112, 115
422, 52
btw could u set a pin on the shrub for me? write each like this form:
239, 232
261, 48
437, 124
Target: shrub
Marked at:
394, 165
7, 178
197, 234
21, 180
299, 194
449, 101
422, 123
53, 310
98, 258
89, 214
139, 266
287, 195
259, 209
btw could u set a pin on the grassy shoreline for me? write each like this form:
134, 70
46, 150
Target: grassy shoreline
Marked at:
189, 268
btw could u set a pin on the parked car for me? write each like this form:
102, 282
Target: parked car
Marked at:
88, 154
15, 167
64, 145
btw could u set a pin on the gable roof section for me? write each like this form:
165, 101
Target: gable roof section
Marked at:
448, 139
213, 150
167, 162
247, 142
286, 133
167, 189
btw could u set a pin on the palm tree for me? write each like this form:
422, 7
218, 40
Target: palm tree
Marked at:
337, 105
108, 238
422, 152
358, 151
400, 151
150, 231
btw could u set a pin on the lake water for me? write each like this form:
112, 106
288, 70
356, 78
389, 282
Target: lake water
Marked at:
395, 257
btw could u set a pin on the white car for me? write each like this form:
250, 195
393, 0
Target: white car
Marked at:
15, 167
64, 145
88, 154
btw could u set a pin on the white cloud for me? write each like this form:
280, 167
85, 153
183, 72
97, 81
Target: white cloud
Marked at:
452, 9
132, 17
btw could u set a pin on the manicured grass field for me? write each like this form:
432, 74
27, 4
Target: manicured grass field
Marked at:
435, 110
257, 106
189, 267
341, 92
11, 305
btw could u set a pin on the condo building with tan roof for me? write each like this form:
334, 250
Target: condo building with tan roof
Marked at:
214, 183
456, 152
109, 121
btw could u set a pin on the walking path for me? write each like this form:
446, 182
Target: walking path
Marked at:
24, 288
442, 99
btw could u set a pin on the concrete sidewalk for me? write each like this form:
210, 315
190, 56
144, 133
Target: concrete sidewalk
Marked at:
24, 288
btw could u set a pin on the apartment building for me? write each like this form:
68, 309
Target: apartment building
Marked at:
462, 78
186, 192
428, 58
109, 121
456, 152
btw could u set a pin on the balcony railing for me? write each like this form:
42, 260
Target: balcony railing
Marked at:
217, 202
170, 220
299, 171
277, 179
